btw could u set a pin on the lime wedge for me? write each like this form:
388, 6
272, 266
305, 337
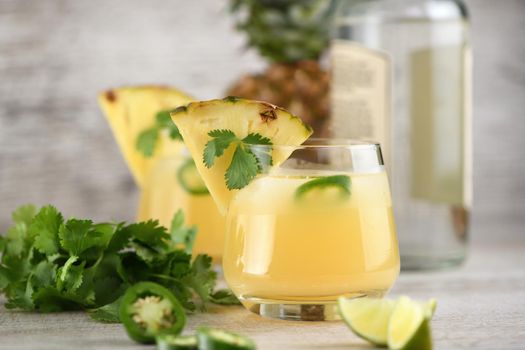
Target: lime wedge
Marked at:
367, 317
409, 327
402, 325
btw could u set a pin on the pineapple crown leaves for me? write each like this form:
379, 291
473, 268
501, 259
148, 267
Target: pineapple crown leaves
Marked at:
285, 30
246, 161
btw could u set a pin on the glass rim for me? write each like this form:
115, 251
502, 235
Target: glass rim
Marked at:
327, 143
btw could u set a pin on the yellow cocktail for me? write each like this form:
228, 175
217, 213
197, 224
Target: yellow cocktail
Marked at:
175, 184
297, 238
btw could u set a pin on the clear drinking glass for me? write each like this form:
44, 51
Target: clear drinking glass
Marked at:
174, 184
317, 227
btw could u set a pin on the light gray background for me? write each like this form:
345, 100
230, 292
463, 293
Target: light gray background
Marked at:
55, 55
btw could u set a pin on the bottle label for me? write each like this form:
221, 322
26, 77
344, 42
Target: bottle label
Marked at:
360, 94
432, 131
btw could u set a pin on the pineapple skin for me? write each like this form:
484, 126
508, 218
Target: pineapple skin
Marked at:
301, 87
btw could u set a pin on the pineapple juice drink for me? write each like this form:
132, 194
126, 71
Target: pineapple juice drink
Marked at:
282, 249
175, 184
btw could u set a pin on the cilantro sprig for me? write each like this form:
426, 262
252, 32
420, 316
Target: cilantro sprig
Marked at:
147, 139
51, 264
246, 161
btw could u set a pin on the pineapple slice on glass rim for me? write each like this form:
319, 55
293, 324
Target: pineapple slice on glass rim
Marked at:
242, 117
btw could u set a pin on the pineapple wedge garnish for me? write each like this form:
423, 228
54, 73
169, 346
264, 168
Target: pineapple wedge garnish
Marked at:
242, 117
131, 110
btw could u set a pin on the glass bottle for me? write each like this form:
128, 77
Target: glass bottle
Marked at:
401, 76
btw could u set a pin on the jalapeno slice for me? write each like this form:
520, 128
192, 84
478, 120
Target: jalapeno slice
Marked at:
326, 189
190, 179
148, 310
217, 339
174, 342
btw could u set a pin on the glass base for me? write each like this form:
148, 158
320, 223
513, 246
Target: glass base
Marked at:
429, 262
305, 310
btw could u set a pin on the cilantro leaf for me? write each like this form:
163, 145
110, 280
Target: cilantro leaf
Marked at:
250, 157
15, 268
221, 140
178, 264
2, 244
108, 313
16, 242
77, 236
262, 153
164, 121
242, 170
202, 278
119, 239
24, 214
224, 297
149, 239
50, 299
256, 139
4, 278
70, 276
147, 141
134, 269
180, 234
44, 228
20, 294
44, 273
105, 232
107, 289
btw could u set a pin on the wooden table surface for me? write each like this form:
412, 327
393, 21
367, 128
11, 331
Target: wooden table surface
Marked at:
480, 306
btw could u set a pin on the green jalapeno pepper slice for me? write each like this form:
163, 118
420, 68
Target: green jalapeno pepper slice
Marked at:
217, 339
148, 309
174, 342
190, 180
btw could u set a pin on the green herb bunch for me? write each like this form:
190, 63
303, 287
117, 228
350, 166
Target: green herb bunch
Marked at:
51, 264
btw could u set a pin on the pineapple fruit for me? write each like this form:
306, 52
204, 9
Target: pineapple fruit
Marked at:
242, 117
131, 110
292, 35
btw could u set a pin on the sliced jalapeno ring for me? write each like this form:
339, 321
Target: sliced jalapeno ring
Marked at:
174, 342
148, 310
217, 339
336, 187
190, 179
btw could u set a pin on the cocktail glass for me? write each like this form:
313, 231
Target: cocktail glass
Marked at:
312, 229
174, 183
